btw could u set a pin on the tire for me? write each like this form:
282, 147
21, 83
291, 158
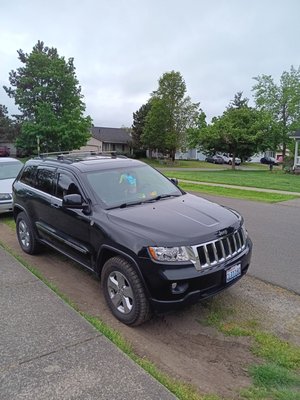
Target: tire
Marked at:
229, 162
26, 236
124, 292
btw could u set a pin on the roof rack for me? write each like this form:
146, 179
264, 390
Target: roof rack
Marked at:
79, 155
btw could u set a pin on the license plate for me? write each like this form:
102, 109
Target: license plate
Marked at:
233, 272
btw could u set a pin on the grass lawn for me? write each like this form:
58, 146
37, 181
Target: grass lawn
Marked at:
236, 193
276, 179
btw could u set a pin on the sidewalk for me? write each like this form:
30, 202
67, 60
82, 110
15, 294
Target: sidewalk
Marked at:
48, 351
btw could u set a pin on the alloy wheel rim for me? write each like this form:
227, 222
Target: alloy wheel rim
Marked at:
120, 292
24, 234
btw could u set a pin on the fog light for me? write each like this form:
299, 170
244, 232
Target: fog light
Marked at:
179, 287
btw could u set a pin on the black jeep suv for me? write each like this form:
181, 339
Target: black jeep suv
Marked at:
154, 246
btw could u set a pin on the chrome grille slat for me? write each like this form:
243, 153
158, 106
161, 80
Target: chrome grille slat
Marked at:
229, 246
206, 255
215, 252
224, 248
239, 244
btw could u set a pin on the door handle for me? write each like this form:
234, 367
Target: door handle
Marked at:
54, 205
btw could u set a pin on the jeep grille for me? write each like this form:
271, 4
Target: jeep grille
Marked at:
212, 253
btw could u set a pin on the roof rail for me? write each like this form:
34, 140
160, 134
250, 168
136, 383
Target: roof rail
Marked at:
78, 155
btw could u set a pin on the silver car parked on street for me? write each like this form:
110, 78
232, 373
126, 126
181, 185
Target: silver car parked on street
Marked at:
9, 169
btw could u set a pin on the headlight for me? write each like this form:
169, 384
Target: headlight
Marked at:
5, 196
170, 254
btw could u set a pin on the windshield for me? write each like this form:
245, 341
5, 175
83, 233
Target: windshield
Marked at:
131, 185
10, 170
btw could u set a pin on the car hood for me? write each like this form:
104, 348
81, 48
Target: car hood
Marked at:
184, 220
6, 185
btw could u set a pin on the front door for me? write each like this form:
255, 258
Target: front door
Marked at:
72, 233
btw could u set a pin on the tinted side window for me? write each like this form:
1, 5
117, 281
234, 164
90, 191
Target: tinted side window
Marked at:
44, 179
66, 185
28, 175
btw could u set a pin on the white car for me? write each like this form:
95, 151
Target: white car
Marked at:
227, 158
9, 169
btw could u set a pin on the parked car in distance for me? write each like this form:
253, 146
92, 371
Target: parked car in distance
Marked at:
9, 169
4, 151
214, 159
227, 159
154, 246
269, 160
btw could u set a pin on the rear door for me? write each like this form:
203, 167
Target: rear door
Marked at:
39, 198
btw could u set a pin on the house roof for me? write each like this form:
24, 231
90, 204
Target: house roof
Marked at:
295, 135
111, 135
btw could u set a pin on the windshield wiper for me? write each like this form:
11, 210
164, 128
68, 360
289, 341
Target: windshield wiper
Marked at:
163, 196
138, 202
128, 204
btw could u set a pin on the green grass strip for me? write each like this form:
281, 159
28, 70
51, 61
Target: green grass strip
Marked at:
9, 221
181, 390
278, 377
273, 376
236, 193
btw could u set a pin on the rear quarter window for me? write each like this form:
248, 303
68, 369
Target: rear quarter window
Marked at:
28, 175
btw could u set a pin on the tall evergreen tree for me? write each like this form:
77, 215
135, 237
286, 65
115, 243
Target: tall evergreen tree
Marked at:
139, 121
48, 95
8, 128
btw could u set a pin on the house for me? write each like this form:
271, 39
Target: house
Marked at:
191, 154
109, 139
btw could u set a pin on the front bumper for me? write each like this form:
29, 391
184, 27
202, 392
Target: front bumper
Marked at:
196, 285
6, 206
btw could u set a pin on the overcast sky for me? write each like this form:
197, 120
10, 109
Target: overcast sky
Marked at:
121, 48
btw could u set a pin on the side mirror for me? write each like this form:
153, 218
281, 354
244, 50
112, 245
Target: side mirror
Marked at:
175, 181
74, 201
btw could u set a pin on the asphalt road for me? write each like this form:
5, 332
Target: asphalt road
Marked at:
275, 232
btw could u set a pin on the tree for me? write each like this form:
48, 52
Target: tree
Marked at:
240, 131
171, 114
193, 134
5, 124
8, 127
48, 95
238, 101
139, 121
282, 101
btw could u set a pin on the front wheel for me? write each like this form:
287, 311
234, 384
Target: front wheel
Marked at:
25, 234
124, 292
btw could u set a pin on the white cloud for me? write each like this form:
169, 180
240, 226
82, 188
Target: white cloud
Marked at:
121, 48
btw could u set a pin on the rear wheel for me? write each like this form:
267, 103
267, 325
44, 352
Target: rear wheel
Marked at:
25, 234
124, 292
